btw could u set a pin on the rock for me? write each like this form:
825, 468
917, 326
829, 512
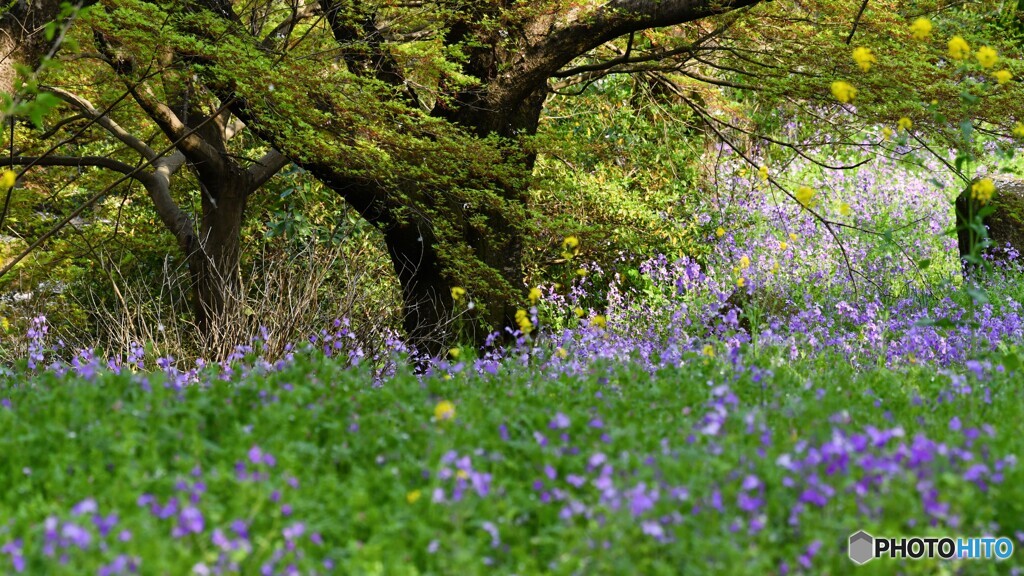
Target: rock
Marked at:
1005, 224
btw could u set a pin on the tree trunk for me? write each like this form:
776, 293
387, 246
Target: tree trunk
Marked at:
214, 256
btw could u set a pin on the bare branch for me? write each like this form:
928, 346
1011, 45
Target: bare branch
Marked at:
105, 121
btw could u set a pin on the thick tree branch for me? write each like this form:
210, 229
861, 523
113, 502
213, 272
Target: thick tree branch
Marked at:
196, 150
555, 40
271, 163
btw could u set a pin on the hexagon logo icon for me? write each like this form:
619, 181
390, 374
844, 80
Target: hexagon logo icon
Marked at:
862, 547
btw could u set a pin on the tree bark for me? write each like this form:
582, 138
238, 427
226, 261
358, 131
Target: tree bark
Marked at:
215, 252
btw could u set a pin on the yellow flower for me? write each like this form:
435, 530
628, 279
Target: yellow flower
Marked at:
904, 123
523, 320
581, 271
744, 262
458, 293
454, 353
805, 196
982, 190
1002, 76
921, 28
600, 321
534, 295
1018, 130
741, 281
886, 133
7, 180
763, 172
864, 58
444, 410
413, 496
570, 247
561, 352
720, 232
843, 91
958, 48
792, 236
775, 268
783, 245
462, 474
709, 351
844, 209
579, 312
987, 57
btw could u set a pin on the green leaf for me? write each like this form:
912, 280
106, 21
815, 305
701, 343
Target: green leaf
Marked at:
977, 295
924, 264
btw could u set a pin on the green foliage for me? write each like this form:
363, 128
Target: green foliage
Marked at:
376, 455
617, 167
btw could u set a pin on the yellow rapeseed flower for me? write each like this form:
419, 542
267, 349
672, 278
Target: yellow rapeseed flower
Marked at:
864, 58
982, 190
843, 91
581, 271
1018, 129
454, 353
987, 57
775, 268
570, 247
561, 352
886, 133
709, 351
523, 321
844, 209
1002, 76
600, 321
535, 295
763, 172
720, 232
741, 281
783, 245
805, 196
958, 48
904, 123
921, 28
792, 236
413, 496
744, 262
458, 292
462, 474
444, 410
7, 180
579, 312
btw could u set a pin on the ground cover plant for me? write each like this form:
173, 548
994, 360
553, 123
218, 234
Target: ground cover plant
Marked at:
725, 371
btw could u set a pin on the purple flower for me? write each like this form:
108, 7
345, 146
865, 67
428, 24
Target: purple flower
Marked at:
294, 531
560, 422
87, 506
76, 535
104, 524
540, 438
190, 521
491, 529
